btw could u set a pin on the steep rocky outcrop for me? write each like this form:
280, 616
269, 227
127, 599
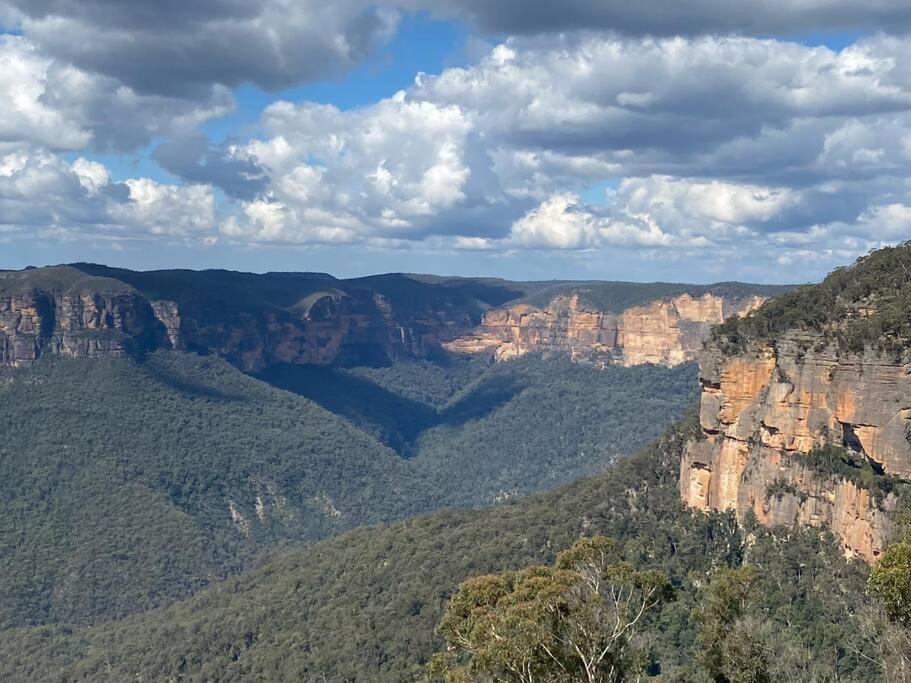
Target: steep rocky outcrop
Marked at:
335, 327
668, 331
64, 311
766, 407
256, 321
77, 319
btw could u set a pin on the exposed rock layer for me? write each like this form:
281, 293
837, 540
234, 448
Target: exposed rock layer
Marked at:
76, 324
668, 331
331, 328
255, 321
764, 409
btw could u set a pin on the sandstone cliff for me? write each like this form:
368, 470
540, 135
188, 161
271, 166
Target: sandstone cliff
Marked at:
668, 331
65, 311
255, 321
334, 327
73, 316
765, 408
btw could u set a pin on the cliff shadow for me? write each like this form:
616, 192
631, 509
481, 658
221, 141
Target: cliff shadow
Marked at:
172, 378
395, 420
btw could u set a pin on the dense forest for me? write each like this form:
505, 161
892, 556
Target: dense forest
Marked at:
862, 305
127, 485
365, 605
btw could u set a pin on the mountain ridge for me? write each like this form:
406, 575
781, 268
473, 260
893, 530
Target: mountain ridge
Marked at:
255, 321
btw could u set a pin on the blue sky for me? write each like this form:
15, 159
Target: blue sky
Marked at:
598, 141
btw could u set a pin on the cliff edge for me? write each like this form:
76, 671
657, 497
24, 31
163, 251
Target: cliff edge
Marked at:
806, 408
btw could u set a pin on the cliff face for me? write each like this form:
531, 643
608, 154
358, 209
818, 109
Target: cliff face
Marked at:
61, 311
255, 321
334, 327
668, 331
765, 408
76, 324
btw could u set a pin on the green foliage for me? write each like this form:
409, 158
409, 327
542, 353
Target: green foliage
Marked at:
837, 461
125, 486
724, 603
865, 305
890, 581
577, 620
363, 605
781, 487
618, 296
480, 433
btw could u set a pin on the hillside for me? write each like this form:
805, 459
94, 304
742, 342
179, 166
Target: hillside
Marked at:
865, 304
363, 605
125, 485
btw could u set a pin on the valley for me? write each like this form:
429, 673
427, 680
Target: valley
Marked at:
224, 476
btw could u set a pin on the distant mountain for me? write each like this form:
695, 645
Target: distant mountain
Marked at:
255, 321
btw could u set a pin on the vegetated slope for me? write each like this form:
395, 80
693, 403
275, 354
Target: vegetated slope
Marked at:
363, 605
476, 433
124, 485
120, 481
866, 303
203, 293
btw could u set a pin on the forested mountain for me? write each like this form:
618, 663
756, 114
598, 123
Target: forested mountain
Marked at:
128, 484
258, 320
364, 605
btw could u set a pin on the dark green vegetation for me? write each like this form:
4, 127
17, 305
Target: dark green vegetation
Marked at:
212, 294
865, 304
578, 620
840, 462
364, 605
124, 486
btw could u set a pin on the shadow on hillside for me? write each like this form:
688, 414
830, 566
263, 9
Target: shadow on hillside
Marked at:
395, 420
172, 379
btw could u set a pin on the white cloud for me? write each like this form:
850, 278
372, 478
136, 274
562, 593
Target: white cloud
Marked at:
185, 49
42, 194
54, 105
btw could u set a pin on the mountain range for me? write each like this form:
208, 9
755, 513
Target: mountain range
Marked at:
226, 476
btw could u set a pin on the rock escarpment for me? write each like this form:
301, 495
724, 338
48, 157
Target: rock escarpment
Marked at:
667, 331
94, 320
336, 327
258, 320
764, 409
65, 311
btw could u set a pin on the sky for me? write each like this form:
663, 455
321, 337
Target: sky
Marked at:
702, 141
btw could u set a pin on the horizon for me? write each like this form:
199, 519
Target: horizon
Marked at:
444, 276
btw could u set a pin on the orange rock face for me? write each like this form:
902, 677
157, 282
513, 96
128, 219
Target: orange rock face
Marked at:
762, 411
74, 325
667, 332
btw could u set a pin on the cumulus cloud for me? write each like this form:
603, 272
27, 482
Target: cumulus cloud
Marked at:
389, 170
185, 49
600, 104
659, 17
715, 140
728, 143
42, 194
228, 167
55, 105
